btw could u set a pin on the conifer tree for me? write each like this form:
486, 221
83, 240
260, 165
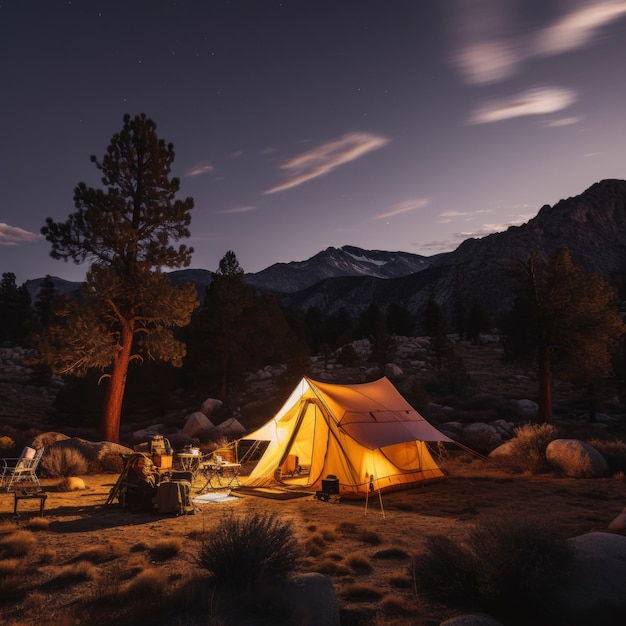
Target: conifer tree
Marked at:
567, 319
129, 308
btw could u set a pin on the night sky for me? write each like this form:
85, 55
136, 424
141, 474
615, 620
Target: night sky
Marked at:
301, 124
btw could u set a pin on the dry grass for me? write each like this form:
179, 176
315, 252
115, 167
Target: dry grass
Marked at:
72, 574
79, 522
362, 592
18, 543
62, 462
166, 548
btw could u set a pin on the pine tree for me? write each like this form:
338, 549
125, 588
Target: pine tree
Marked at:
129, 308
567, 319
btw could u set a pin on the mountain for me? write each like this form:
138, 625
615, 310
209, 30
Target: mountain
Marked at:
337, 262
592, 225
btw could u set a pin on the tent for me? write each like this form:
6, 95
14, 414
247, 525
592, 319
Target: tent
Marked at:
367, 435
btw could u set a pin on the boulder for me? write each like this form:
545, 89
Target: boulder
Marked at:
506, 429
393, 371
503, 451
619, 523
308, 599
576, 459
231, 428
197, 424
146, 434
72, 483
210, 405
47, 440
594, 591
91, 450
527, 408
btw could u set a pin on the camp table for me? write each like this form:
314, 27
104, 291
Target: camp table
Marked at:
215, 471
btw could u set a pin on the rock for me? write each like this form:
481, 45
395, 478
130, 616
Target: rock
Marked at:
527, 408
619, 523
503, 451
594, 591
210, 405
146, 434
576, 459
393, 371
47, 440
72, 483
197, 424
506, 429
230, 428
91, 450
308, 599
472, 619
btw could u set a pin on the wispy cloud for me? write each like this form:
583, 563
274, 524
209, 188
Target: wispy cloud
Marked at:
532, 102
448, 216
579, 27
237, 210
562, 121
459, 237
201, 168
327, 157
404, 207
13, 236
490, 51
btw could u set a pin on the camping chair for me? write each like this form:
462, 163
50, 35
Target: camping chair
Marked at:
20, 470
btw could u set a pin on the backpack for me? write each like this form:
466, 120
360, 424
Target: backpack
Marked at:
174, 496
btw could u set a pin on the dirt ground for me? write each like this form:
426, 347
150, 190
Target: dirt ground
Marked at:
330, 531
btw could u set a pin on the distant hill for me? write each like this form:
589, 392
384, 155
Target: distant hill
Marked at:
334, 263
592, 225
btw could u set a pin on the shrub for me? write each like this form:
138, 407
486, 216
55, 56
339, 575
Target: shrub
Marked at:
508, 566
148, 583
166, 549
613, 451
18, 543
361, 592
359, 563
62, 462
242, 550
527, 450
78, 572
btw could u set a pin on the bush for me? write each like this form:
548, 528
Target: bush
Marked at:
242, 550
613, 451
507, 567
527, 450
63, 462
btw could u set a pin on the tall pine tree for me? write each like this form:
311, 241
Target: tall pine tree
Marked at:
124, 230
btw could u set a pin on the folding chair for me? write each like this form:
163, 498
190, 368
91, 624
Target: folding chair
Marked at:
20, 470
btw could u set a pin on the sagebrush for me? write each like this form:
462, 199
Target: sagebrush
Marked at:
507, 566
64, 462
244, 549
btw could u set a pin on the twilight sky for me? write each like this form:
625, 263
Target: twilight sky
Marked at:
301, 124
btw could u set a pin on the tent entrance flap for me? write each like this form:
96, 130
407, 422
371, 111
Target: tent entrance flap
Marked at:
298, 453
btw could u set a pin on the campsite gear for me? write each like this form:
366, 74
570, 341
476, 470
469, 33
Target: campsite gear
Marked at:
371, 490
219, 473
161, 451
20, 470
329, 490
136, 486
174, 496
348, 431
26, 494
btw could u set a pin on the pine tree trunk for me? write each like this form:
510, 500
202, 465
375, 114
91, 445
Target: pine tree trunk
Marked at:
111, 415
545, 390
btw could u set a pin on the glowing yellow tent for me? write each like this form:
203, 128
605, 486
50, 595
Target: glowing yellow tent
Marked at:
354, 432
